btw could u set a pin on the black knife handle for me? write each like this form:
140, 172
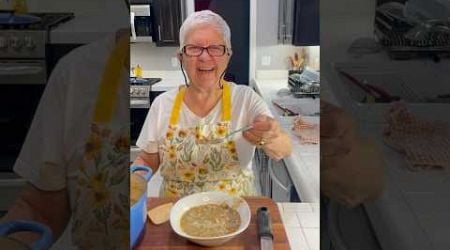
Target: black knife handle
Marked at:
264, 223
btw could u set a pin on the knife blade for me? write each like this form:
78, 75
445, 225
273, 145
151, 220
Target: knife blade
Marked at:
265, 228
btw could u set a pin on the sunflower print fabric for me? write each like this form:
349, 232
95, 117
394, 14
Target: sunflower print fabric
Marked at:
188, 165
102, 202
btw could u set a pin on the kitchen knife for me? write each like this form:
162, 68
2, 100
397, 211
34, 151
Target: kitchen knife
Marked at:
287, 112
265, 228
376, 92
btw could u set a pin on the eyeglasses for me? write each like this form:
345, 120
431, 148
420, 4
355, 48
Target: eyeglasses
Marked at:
213, 50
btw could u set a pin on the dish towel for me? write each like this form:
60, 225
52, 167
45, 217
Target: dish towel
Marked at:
307, 132
424, 144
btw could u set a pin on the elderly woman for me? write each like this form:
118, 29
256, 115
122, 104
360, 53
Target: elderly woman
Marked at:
180, 133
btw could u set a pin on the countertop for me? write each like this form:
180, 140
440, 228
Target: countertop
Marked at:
304, 162
302, 224
163, 236
169, 79
410, 214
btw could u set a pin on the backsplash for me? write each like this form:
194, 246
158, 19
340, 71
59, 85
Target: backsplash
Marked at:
277, 57
150, 57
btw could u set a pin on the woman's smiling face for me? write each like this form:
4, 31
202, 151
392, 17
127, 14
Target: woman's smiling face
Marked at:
205, 70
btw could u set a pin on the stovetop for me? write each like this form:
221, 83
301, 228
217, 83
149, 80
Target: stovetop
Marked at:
144, 81
47, 21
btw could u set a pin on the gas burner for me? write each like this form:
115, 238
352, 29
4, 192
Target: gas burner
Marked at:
33, 21
9, 18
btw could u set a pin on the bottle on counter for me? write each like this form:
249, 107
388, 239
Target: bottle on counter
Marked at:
138, 71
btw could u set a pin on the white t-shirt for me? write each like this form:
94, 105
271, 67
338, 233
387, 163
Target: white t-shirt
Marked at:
246, 105
54, 146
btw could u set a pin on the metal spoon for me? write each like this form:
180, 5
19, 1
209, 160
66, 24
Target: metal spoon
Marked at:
219, 140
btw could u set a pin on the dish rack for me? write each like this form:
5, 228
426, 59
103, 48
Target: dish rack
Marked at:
305, 84
405, 40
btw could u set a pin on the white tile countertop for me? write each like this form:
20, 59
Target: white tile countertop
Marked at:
302, 224
304, 162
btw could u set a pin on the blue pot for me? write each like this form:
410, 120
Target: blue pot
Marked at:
44, 242
138, 212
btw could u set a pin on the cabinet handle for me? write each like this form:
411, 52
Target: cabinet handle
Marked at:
159, 32
275, 179
182, 9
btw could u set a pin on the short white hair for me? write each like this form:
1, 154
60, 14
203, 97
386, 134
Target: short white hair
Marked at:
205, 17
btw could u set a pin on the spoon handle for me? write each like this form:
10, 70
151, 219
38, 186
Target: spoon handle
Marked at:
239, 130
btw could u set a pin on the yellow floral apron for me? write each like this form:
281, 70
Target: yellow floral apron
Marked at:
101, 209
189, 166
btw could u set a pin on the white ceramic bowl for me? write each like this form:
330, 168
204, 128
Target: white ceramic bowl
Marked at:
184, 204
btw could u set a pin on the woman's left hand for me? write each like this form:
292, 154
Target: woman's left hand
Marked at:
267, 134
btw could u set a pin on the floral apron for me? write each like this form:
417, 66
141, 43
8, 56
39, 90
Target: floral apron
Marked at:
101, 209
188, 166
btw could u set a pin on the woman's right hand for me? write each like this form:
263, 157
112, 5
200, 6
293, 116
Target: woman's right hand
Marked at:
337, 131
351, 167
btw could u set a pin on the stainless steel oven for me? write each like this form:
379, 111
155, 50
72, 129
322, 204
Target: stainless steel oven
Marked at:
21, 85
24, 69
140, 101
141, 22
23, 76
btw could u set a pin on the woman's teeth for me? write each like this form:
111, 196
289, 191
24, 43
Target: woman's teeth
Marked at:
206, 69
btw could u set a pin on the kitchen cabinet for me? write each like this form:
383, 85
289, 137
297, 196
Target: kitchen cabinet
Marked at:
167, 22
298, 22
306, 23
236, 14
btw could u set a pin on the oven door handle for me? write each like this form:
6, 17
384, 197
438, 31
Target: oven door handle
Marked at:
20, 70
274, 178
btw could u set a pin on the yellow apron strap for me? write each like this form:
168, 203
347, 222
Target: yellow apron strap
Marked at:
226, 104
226, 101
177, 106
106, 101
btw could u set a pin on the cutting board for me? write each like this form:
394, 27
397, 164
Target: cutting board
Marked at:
163, 237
